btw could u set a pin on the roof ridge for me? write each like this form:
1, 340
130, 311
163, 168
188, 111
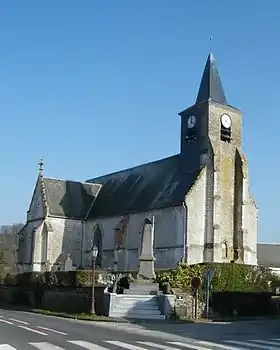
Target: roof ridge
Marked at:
269, 243
134, 167
43, 193
65, 180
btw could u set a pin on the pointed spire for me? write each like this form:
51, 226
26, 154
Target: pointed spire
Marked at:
211, 87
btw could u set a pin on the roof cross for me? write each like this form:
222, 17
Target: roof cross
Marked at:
41, 165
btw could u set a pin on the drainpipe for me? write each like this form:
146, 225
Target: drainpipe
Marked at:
184, 230
82, 243
83, 230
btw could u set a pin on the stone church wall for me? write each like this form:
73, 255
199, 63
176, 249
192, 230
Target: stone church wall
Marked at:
175, 236
60, 237
36, 209
64, 237
196, 220
250, 226
26, 242
29, 240
169, 238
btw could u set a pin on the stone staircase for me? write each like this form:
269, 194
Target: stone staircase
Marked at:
142, 288
136, 307
140, 301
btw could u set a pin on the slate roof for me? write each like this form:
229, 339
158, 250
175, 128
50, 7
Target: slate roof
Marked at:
70, 199
268, 254
211, 87
159, 184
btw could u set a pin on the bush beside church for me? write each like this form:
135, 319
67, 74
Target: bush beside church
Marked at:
58, 291
66, 279
236, 289
233, 287
227, 277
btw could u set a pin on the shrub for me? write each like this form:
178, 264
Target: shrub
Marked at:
74, 279
9, 280
227, 277
246, 304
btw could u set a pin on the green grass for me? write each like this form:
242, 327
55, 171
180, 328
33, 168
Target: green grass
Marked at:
81, 316
84, 316
77, 316
90, 317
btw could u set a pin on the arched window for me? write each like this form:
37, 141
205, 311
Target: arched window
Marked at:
120, 232
225, 250
32, 245
98, 241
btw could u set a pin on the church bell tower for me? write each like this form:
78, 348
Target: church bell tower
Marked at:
211, 139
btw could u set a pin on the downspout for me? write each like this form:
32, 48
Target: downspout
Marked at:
82, 243
83, 227
46, 215
184, 231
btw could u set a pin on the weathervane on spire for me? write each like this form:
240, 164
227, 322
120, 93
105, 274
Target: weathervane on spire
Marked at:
211, 47
41, 165
210, 43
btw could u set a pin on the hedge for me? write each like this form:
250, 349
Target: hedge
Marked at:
74, 279
227, 277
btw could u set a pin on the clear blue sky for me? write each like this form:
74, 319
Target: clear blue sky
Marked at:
94, 86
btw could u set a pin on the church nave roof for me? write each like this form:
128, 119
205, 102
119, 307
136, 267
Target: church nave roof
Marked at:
159, 184
71, 199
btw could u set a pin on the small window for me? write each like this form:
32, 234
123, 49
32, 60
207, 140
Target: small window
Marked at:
236, 254
225, 134
192, 134
225, 250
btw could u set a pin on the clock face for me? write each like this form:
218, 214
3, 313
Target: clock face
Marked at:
191, 121
226, 121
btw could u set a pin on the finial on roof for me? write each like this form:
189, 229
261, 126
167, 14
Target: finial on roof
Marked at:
211, 87
211, 56
41, 165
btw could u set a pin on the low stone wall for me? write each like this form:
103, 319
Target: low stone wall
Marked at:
6, 295
54, 299
74, 301
184, 305
166, 303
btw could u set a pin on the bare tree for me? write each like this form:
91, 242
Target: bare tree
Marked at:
10, 229
8, 247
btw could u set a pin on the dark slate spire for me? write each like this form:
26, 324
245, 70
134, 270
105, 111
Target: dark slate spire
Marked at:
211, 87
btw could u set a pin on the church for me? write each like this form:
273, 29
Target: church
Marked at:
197, 201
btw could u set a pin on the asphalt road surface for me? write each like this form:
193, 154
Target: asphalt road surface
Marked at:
27, 331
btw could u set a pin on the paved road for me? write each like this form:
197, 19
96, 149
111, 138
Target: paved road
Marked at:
26, 331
